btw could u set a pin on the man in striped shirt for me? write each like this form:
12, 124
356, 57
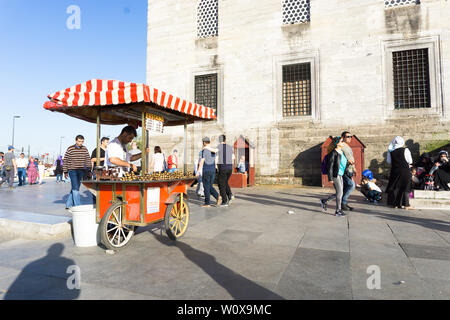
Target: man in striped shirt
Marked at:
76, 164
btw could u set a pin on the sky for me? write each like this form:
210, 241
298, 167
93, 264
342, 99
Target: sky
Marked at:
40, 54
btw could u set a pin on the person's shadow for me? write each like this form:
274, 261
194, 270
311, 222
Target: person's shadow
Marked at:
239, 287
51, 278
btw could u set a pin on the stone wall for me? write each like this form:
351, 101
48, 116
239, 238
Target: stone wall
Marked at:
346, 40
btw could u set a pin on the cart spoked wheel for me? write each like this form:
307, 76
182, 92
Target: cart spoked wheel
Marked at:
114, 233
176, 219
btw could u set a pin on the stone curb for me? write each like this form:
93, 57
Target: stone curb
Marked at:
35, 231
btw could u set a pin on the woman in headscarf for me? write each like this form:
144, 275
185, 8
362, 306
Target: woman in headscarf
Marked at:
441, 171
32, 171
399, 185
59, 169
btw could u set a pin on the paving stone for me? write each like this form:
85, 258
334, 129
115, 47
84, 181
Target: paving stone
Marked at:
433, 269
414, 234
236, 235
426, 252
301, 279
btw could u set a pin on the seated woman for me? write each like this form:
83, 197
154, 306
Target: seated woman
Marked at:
441, 172
423, 167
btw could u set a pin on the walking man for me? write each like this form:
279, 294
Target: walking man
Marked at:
22, 164
103, 145
10, 166
225, 166
76, 164
208, 168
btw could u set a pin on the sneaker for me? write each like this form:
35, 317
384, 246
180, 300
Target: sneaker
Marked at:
339, 213
323, 204
219, 201
346, 207
225, 204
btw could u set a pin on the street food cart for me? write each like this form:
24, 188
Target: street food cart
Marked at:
124, 203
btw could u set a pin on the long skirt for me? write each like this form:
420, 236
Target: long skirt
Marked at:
399, 187
32, 175
442, 179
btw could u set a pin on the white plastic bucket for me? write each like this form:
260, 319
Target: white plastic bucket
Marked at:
84, 226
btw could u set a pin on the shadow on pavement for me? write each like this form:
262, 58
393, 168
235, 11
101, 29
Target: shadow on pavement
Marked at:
397, 215
239, 287
85, 197
267, 200
48, 278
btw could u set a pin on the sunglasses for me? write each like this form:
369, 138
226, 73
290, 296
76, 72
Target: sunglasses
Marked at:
349, 136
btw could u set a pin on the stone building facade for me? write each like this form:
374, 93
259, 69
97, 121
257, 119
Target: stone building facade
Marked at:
286, 74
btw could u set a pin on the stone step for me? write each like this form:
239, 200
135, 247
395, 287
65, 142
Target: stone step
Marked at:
426, 194
430, 204
34, 226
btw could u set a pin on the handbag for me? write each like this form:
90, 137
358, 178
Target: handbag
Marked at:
8, 168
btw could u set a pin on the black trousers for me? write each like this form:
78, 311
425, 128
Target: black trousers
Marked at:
224, 187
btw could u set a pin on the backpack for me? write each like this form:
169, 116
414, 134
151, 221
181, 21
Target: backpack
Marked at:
324, 165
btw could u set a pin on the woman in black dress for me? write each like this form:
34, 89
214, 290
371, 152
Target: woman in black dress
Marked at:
442, 172
399, 185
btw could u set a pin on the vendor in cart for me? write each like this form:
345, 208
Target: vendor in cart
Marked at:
117, 155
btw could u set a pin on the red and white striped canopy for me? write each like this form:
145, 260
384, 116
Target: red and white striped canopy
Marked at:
76, 100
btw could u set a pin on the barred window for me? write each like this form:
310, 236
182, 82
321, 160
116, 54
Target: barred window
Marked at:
206, 90
296, 11
396, 3
411, 79
297, 90
208, 18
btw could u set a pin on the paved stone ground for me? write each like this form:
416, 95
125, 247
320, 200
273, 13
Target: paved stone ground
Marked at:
250, 250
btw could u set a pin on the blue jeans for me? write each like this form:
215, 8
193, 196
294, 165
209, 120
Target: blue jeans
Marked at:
349, 186
59, 178
21, 174
74, 197
208, 180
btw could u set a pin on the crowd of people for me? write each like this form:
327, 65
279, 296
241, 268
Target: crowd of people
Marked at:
426, 174
30, 169
217, 163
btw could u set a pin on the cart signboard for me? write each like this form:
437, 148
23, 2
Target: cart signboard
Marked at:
154, 123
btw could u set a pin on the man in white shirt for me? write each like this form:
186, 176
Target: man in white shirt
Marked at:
117, 155
22, 164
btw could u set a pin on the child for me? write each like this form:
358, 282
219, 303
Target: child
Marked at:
370, 190
41, 169
415, 181
241, 166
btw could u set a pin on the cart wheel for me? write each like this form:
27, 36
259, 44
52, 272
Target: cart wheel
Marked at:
114, 234
176, 218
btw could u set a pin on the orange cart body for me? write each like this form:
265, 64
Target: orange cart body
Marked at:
144, 202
